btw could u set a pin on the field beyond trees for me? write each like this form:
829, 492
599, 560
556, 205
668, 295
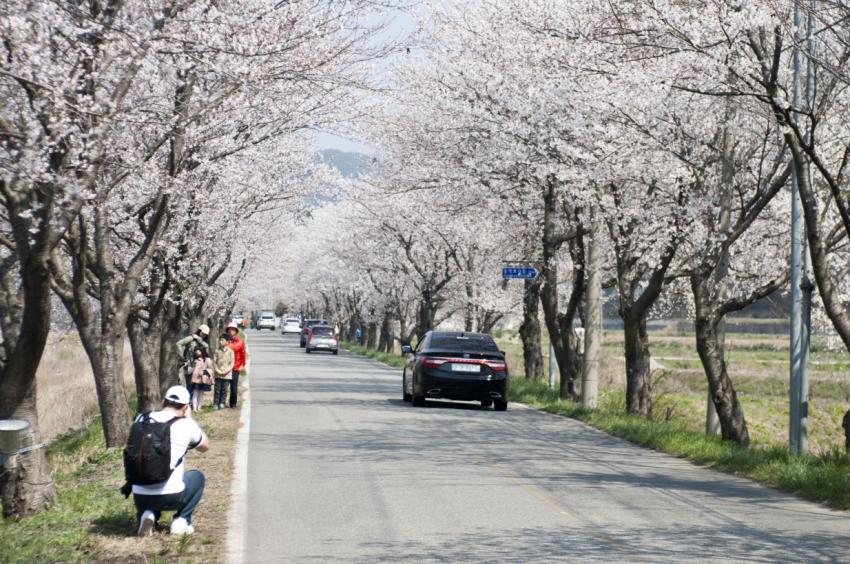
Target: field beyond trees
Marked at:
758, 365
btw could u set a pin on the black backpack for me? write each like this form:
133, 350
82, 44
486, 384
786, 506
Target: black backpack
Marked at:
147, 456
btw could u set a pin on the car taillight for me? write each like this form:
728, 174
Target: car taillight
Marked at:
431, 362
496, 365
336, 338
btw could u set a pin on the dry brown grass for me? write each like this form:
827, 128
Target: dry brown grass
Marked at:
67, 399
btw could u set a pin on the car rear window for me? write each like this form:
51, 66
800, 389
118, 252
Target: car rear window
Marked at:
323, 331
465, 343
291, 321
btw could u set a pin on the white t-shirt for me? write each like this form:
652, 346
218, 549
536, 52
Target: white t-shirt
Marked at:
183, 433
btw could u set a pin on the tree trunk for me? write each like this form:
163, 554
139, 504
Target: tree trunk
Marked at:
427, 313
638, 378
469, 318
28, 488
372, 335
529, 331
144, 345
386, 341
108, 367
568, 363
729, 411
169, 361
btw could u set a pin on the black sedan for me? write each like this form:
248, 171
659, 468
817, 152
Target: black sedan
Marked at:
457, 366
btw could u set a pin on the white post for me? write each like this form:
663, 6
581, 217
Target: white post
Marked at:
552, 365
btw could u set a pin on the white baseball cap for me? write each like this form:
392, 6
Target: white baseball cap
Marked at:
205, 329
177, 394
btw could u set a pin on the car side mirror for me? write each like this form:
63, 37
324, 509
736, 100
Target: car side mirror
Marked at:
406, 349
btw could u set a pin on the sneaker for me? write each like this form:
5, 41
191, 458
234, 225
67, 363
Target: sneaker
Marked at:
221, 406
216, 407
146, 524
179, 526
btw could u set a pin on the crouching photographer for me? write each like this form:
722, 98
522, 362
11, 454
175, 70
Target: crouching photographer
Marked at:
154, 464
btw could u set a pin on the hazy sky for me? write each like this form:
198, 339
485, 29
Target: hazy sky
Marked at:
400, 26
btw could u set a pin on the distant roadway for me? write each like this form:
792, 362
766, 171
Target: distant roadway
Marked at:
341, 470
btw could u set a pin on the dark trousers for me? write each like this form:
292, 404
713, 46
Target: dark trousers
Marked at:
234, 388
220, 394
183, 503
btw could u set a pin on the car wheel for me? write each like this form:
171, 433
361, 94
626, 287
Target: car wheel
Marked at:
417, 401
404, 395
500, 405
336, 351
486, 403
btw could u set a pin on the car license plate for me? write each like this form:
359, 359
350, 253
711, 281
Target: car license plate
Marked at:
466, 367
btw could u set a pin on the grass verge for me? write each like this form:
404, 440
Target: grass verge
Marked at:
390, 359
823, 477
93, 522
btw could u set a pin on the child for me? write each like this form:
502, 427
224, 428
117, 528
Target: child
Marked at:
223, 360
201, 377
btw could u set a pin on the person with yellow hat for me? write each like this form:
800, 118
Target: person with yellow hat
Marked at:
186, 349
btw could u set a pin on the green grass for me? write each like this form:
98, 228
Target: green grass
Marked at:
391, 359
824, 477
86, 477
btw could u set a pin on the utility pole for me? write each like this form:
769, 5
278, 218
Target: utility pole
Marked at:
801, 285
593, 316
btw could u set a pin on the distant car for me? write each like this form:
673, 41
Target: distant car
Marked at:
305, 329
322, 338
457, 366
266, 320
237, 319
290, 326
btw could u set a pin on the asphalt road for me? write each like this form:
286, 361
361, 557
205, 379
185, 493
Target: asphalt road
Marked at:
340, 469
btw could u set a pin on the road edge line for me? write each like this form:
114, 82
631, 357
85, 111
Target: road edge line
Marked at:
239, 484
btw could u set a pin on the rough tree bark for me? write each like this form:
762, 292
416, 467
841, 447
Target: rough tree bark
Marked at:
639, 287
709, 346
372, 335
28, 488
529, 330
560, 325
385, 343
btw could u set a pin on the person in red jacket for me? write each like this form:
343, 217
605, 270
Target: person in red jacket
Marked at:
238, 347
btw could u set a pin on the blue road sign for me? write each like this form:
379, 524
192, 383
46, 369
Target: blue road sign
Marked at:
519, 273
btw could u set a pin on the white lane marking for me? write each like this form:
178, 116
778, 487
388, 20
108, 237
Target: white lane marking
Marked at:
236, 524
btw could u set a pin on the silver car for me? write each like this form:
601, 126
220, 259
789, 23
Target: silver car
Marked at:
322, 338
